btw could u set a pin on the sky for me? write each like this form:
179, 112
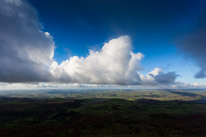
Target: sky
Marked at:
102, 43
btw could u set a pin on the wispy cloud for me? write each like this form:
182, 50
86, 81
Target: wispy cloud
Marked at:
193, 44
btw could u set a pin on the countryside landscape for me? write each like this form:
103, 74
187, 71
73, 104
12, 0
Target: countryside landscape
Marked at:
104, 113
102, 68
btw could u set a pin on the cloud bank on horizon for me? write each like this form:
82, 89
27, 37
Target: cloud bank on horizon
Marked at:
27, 55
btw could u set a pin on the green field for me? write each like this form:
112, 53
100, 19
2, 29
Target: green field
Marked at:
103, 113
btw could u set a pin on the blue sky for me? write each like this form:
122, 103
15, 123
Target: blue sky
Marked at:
153, 26
170, 34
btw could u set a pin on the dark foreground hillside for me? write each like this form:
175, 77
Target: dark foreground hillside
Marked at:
100, 117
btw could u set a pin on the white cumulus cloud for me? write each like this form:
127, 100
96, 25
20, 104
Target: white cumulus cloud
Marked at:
157, 76
115, 63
